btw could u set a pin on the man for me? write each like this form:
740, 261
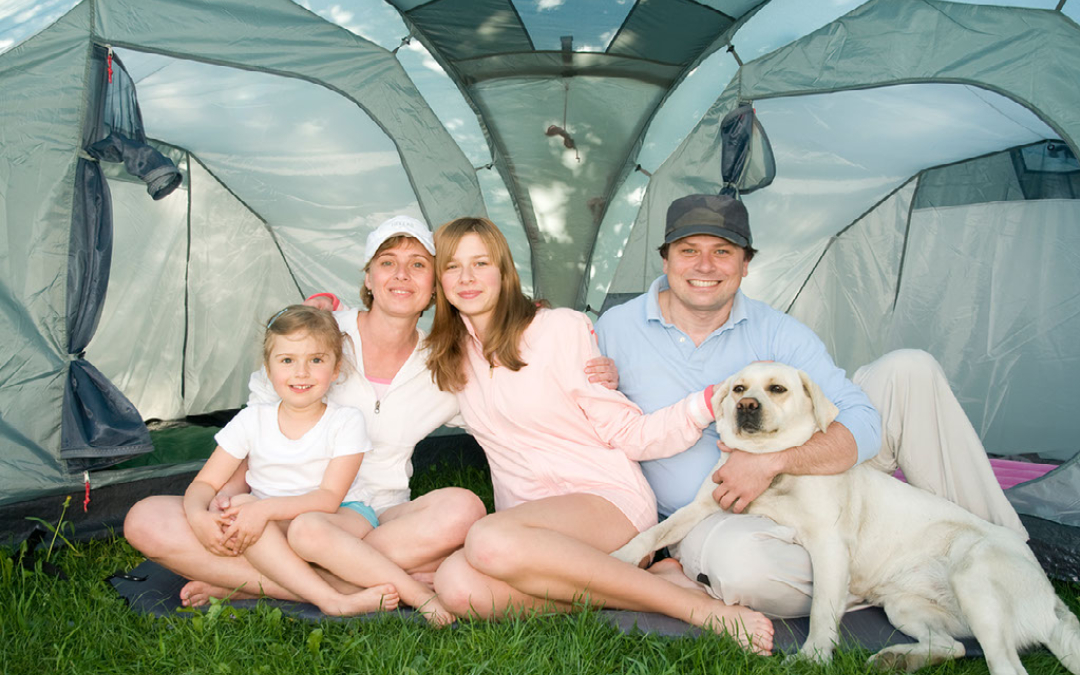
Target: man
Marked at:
694, 327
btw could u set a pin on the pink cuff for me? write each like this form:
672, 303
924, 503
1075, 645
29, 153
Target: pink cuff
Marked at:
333, 299
701, 408
708, 399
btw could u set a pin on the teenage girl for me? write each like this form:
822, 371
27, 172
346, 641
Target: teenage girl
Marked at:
562, 451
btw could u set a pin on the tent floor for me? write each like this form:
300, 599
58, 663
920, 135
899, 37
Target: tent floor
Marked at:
151, 589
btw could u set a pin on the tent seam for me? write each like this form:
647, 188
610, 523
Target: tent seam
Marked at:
305, 78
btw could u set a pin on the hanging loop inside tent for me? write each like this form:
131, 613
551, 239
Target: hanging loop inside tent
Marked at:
556, 130
747, 162
735, 54
405, 41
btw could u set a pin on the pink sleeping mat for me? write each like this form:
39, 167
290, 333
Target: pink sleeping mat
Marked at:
1010, 472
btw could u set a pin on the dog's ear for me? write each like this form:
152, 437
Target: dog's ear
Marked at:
720, 392
824, 410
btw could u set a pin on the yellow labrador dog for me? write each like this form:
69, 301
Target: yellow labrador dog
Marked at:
937, 570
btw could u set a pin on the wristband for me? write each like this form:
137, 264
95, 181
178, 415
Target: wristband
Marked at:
333, 299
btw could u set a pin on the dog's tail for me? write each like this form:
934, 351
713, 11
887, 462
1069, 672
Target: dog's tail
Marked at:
1064, 639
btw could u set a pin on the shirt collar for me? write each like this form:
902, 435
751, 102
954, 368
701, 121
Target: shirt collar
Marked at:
469, 327
653, 313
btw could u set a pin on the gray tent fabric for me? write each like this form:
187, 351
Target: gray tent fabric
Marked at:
924, 192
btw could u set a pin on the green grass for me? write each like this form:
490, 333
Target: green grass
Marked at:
79, 625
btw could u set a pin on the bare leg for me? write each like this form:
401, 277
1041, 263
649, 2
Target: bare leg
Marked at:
338, 542
273, 556
672, 570
558, 548
158, 528
418, 535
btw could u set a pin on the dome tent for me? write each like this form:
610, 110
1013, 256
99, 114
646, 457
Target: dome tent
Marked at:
915, 142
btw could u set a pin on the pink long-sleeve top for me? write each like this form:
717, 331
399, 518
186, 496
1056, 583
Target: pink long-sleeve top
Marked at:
547, 431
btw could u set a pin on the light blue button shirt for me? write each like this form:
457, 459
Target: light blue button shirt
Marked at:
659, 365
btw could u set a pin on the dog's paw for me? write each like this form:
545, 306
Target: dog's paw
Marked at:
811, 651
911, 657
897, 660
633, 552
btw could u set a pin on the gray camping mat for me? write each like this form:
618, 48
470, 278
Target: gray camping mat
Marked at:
151, 589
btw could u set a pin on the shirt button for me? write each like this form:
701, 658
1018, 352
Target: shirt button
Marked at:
682, 339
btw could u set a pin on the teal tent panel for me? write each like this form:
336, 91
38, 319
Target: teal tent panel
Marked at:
1032, 56
565, 188
1026, 55
463, 29
280, 37
41, 113
669, 31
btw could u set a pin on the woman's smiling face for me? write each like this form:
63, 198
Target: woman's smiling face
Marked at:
402, 279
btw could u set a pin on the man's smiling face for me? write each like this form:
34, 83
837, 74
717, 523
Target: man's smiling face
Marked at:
704, 272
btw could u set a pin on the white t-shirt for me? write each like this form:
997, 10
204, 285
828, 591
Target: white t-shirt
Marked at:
283, 467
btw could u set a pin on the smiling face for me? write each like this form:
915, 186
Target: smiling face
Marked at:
301, 369
471, 281
704, 273
401, 279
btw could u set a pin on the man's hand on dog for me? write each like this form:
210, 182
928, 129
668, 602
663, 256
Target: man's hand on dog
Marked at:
743, 477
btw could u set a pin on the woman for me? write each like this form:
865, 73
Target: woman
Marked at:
390, 384
562, 451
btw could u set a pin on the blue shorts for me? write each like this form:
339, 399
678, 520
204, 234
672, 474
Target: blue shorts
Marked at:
364, 510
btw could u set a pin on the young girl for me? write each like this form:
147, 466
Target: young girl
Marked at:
561, 450
303, 456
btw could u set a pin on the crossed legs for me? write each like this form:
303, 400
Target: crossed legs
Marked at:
416, 536
549, 553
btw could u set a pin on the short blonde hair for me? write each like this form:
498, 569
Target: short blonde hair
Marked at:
318, 323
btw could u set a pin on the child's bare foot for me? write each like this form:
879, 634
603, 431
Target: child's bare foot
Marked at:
198, 593
381, 598
436, 613
672, 570
753, 630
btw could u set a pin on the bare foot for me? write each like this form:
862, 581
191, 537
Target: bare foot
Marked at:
753, 630
198, 593
381, 598
436, 613
672, 570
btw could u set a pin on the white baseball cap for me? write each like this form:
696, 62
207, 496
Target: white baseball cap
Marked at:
398, 225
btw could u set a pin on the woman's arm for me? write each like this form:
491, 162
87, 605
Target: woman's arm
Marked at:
616, 420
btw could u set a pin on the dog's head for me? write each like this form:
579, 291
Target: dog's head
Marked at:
768, 407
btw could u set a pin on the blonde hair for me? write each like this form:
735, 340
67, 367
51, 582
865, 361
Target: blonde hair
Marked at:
318, 323
366, 296
513, 313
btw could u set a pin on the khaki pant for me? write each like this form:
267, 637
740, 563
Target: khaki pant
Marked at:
752, 561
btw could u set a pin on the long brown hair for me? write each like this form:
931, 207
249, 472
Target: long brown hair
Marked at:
514, 311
